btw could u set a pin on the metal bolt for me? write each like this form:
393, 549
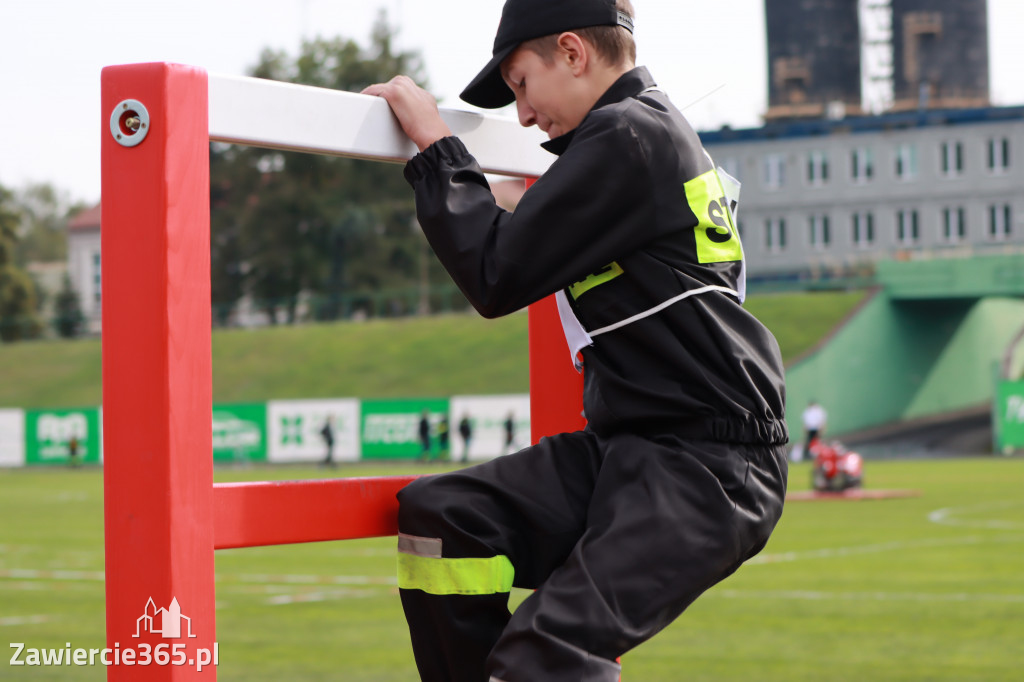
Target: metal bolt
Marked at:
129, 122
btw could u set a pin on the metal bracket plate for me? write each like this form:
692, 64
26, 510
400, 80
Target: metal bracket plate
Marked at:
129, 122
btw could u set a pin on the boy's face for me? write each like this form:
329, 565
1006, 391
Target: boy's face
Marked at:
548, 93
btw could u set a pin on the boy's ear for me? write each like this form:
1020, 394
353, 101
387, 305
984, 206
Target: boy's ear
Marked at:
575, 51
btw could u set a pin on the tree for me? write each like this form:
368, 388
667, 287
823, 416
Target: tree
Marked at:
17, 292
44, 213
286, 223
68, 311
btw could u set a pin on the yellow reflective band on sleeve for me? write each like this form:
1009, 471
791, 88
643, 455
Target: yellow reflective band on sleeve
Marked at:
717, 240
605, 274
455, 576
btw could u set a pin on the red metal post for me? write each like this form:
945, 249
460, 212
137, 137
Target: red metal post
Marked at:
157, 379
556, 388
284, 512
163, 515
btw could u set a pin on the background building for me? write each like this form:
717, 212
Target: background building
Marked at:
813, 58
940, 53
828, 197
84, 264
830, 191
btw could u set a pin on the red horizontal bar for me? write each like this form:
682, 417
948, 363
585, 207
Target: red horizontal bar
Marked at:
286, 512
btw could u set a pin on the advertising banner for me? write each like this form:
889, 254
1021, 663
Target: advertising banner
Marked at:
297, 430
62, 436
239, 432
12, 438
1009, 417
391, 428
488, 418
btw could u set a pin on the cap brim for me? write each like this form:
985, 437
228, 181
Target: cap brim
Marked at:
489, 90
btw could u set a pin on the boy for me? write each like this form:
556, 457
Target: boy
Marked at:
680, 474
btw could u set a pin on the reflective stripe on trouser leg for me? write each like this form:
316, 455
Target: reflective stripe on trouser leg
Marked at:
456, 608
530, 507
421, 567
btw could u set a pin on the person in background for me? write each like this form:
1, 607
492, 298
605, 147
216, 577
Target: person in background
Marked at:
815, 419
327, 433
73, 451
510, 434
425, 436
443, 434
466, 431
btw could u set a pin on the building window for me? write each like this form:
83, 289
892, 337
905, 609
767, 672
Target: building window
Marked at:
906, 161
908, 227
952, 158
954, 225
821, 235
999, 154
775, 234
1000, 222
863, 230
774, 171
817, 169
862, 166
96, 277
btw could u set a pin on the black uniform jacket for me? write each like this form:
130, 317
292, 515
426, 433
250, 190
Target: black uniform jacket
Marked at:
630, 216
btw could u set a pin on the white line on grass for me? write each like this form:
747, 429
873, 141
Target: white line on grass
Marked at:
22, 620
809, 595
255, 578
300, 579
33, 574
308, 597
24, 586
894, 546
954, 516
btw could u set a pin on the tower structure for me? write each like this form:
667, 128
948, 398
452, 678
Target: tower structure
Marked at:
814, 59
940, 54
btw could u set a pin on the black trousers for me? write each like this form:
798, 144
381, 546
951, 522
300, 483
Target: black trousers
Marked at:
616, 535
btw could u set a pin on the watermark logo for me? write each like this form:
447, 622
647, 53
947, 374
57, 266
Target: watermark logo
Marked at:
169, 621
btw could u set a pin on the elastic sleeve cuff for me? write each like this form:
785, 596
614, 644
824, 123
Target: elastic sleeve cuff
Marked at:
448, 151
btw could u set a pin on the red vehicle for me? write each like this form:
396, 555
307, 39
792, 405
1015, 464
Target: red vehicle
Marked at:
835, 468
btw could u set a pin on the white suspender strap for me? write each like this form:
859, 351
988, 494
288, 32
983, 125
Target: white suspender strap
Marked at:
579, 338
661, 306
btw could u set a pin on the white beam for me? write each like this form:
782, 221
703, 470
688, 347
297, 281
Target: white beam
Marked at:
264, 113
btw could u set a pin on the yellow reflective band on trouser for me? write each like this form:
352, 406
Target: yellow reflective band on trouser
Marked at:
438, 575
717, 239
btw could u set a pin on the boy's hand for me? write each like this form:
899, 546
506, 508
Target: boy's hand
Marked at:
415, 109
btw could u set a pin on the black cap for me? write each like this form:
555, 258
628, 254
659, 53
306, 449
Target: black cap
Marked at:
523, 20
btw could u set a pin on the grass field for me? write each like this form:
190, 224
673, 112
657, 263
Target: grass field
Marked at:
923, 588
409, 357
